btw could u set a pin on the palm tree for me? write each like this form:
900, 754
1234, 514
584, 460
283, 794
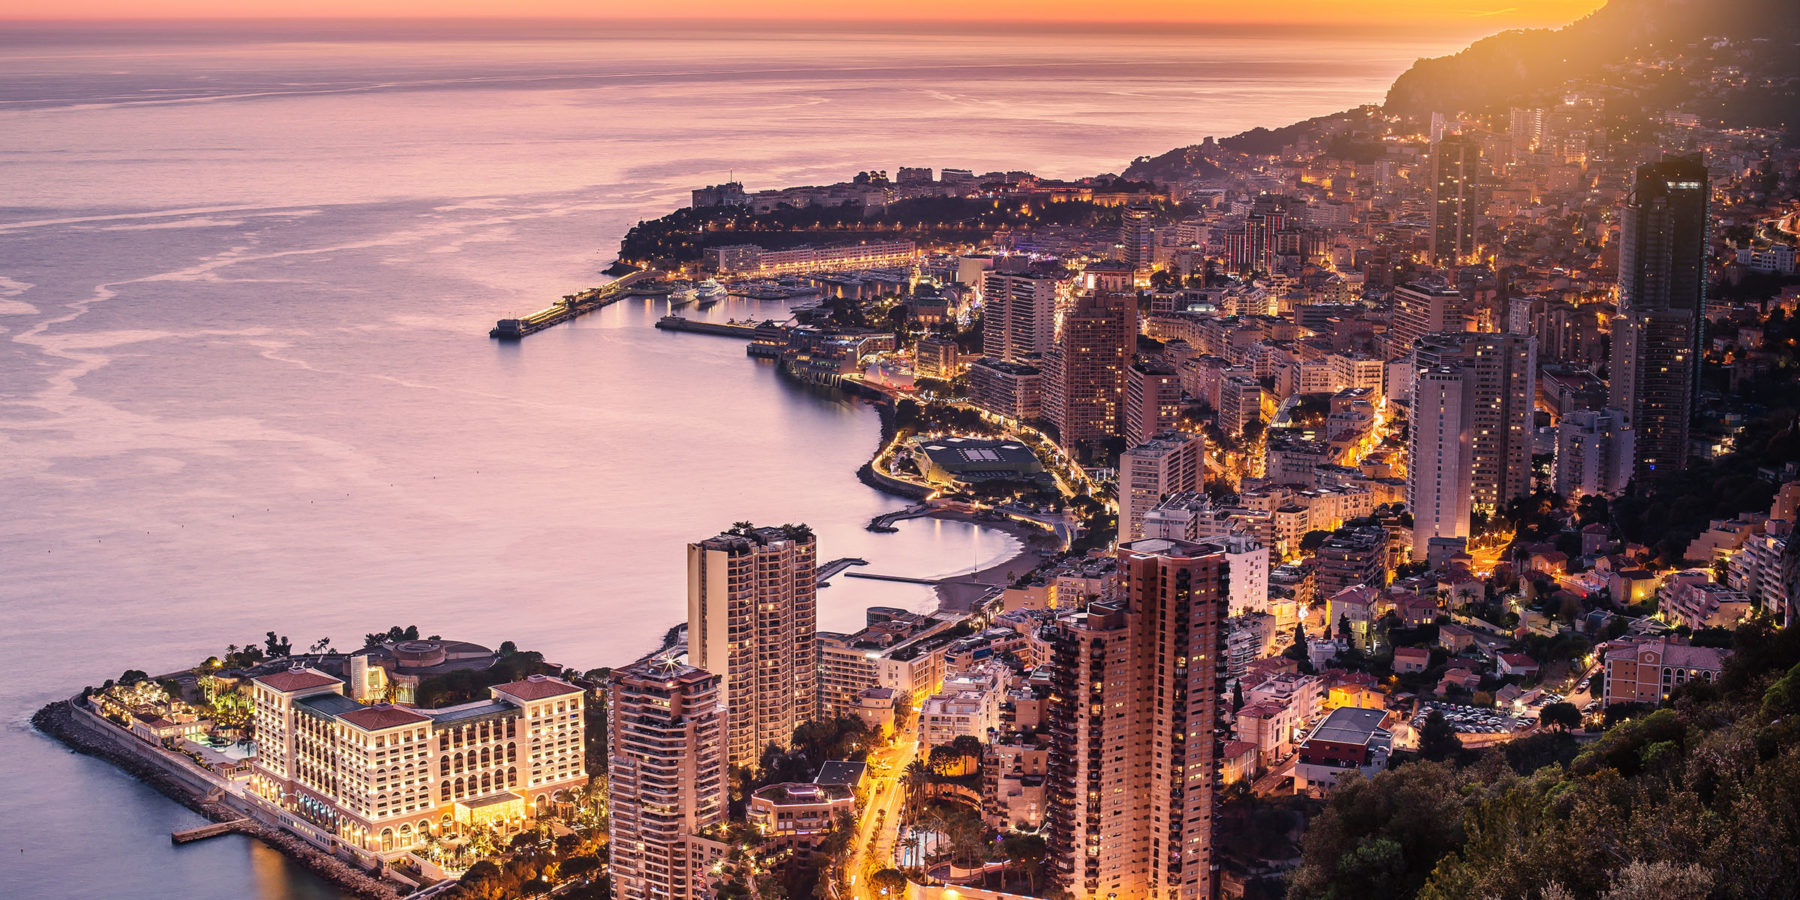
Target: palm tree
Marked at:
914, 779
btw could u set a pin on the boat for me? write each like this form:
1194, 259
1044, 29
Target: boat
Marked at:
682, 297
709, 292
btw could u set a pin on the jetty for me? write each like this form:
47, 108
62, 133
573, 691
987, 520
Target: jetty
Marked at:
885, 522
903, 579
723, 329
569, 307
190, 835
838, 565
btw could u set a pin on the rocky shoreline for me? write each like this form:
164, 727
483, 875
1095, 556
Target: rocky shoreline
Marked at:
59, 720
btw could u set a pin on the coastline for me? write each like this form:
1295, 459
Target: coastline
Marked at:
960, 593
60, 720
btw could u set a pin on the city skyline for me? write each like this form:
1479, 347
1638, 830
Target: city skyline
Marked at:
1169, 515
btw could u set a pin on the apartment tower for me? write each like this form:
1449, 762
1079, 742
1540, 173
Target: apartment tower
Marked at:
1471, 432
667, 776
753, 621
1170, 462
1018, 319
1657, 336
1134, 717
1454, 164
1084, 373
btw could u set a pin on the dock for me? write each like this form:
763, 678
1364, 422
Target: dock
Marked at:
838, 565
569, 307
903, 579
885, 522
723, 329
190, 835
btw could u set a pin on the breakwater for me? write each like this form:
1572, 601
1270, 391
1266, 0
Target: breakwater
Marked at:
86, 733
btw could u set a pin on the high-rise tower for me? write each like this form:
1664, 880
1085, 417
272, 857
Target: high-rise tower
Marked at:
753, 621
1655, 372
1084, 374
1134, 722
1471, 432
666, 772
1454, 161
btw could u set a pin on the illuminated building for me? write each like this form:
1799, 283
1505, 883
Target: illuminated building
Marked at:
1454, 164
382, 779
667, 780
1018, 317
1472, 401
1656, 341
1152, 400
1134, 719
1166, 464
1084, 374
752, 620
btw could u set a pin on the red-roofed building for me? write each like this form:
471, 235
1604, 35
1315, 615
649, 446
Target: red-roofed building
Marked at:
1459, 679
1240, 761
1647, 671
381, 779
1516, 664
1455, 638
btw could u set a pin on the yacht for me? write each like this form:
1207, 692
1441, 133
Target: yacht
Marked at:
709, 292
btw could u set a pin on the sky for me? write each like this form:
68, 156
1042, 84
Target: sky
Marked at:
1487, 15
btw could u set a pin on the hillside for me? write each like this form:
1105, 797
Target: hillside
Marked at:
1698, 800
1512, 65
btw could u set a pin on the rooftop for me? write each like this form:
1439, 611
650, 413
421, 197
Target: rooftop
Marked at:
297, 679
377, 718
537, 687
1350, 725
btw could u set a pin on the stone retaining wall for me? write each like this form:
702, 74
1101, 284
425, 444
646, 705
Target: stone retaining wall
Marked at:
84, 732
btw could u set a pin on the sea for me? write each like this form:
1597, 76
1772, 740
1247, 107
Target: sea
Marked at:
246, 278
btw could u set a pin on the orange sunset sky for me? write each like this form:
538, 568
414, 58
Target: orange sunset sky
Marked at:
1484, 15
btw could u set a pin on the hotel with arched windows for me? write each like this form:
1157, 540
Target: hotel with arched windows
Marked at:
382, 778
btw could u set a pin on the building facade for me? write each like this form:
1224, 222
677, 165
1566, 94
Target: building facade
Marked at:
1657, 336
1134, 718
667, 774
1168, 463
1472, 403
753, 621
1084, 383
381, 779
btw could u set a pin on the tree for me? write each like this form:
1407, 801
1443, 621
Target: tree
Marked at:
1026, 852
1237, 695
888, 883
1560, 716
1437, 740
277, 647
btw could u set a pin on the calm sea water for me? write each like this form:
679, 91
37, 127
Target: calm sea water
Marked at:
245, 382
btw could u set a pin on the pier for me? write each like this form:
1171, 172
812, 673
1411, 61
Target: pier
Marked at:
723, 329
884, 523
903, 579
838, 565
203, 832
567, 308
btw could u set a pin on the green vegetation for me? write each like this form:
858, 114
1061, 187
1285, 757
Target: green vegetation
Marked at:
1693, 800
683, 235
467, 685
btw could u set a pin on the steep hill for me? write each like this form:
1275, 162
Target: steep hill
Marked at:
1500, 69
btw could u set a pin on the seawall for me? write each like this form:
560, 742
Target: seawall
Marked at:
84, 732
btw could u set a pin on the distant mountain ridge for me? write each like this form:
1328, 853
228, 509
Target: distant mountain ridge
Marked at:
1496, 70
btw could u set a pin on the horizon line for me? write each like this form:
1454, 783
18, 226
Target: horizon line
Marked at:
1113, 23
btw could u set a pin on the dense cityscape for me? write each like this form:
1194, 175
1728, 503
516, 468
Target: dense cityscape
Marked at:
1404, 500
